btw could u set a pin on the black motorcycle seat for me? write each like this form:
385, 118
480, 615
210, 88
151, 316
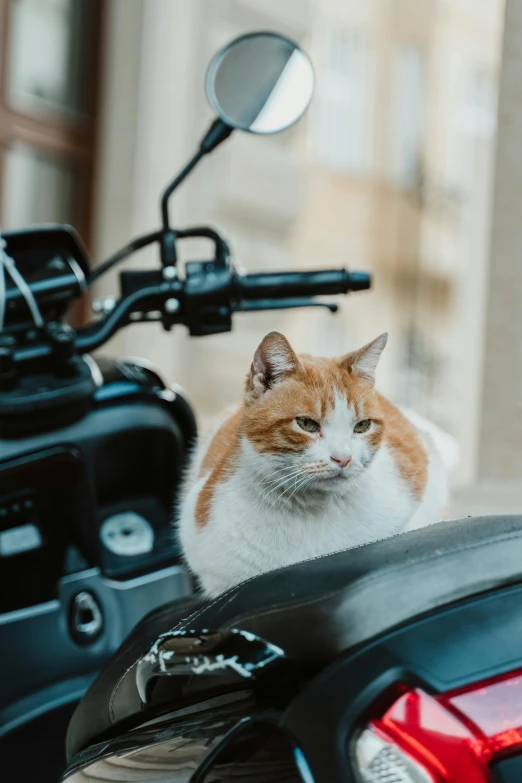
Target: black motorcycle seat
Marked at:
318, 609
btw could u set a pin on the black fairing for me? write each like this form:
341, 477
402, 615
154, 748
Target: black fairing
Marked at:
127, 452
123, 452
333, 606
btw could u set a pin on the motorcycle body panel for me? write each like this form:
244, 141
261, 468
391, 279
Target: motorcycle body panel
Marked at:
67, 600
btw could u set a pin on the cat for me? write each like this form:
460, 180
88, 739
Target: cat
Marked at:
314, 461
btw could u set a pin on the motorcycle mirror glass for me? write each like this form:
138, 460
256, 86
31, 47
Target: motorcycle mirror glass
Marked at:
260, 83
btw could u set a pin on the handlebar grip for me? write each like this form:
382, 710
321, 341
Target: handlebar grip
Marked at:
282, 285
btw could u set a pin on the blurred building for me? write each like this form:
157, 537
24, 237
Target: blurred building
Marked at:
401, 147
391, 170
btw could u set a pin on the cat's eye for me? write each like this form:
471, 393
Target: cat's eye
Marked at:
362, 426
308, 425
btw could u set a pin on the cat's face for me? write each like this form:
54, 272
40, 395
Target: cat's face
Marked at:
312, 422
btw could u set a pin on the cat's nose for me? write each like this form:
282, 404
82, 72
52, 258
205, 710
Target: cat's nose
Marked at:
341, 459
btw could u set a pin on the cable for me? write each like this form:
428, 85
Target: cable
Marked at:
132, 247
9, 266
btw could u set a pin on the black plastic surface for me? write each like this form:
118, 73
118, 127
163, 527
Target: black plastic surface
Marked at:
47, 489
42, 241
36, 750
46, 398
64, 479
54, 263
468, 643
128, 454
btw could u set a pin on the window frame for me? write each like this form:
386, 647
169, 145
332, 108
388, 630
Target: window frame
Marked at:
71, 139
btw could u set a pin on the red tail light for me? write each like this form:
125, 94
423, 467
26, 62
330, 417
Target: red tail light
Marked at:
445, 739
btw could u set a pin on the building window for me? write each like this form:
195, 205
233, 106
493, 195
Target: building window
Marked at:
407, 114
421, 373
475, 123
342, 114
49, 73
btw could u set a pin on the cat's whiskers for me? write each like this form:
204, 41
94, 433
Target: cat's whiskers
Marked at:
320, 468
282, 479
301, 476
293, 480
285, 475
304, 482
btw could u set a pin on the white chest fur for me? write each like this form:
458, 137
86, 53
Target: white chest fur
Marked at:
246, 535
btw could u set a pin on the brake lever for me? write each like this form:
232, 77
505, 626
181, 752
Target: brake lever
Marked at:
254, 305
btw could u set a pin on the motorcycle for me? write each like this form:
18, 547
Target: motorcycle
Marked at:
396, 661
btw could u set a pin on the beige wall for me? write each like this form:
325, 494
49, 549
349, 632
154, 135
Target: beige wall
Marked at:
501, 423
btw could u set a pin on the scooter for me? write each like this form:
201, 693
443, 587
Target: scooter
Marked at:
398, 661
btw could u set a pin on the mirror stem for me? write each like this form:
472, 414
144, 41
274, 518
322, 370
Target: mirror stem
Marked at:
174, 184
216, 134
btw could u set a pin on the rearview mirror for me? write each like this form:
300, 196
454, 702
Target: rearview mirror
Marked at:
260, 83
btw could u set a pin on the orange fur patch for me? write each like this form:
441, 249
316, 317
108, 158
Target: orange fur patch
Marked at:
219, 460
404, 442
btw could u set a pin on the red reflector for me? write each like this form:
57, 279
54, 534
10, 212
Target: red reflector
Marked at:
453, 737
495, 709
433, 736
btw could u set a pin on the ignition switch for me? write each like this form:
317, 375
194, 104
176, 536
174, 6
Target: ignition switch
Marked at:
85, 618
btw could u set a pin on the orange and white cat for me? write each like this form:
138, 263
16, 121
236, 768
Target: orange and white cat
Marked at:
314, 461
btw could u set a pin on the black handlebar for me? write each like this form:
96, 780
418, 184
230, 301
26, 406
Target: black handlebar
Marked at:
222, 288
283, 285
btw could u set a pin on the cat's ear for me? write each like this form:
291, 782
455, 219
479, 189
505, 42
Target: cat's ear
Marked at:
273, 361
363, 362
